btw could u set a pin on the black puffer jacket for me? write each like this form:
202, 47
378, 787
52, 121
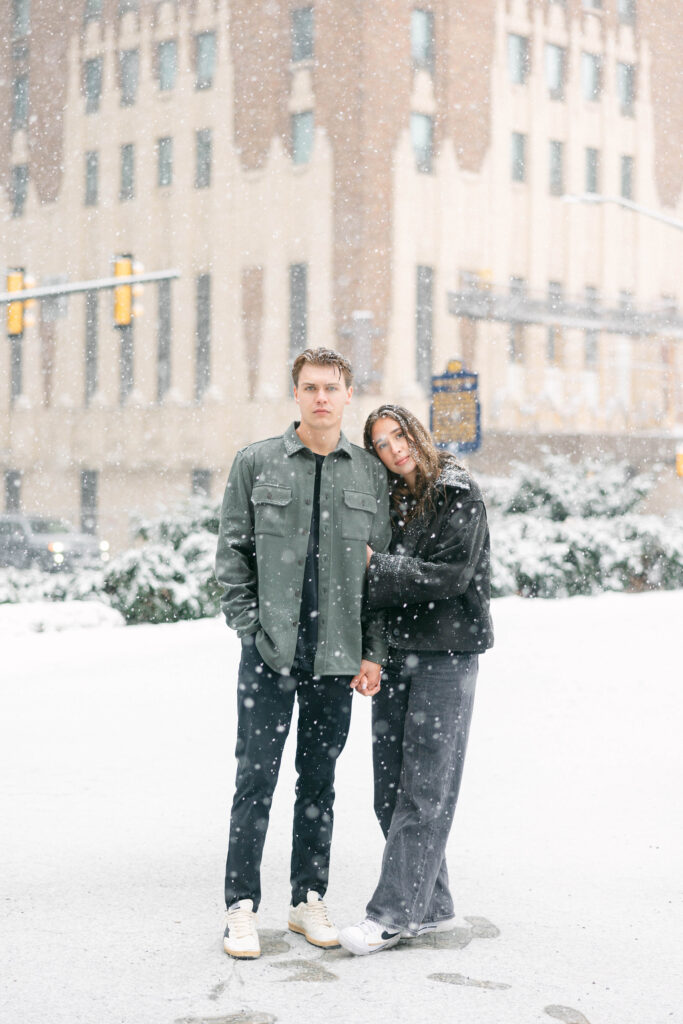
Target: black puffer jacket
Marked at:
434, 581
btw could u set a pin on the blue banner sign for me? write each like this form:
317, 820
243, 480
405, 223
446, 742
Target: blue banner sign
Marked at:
455, 416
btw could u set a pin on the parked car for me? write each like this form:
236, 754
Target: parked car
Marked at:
47, 543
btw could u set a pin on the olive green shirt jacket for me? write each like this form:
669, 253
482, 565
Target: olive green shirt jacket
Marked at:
263, 539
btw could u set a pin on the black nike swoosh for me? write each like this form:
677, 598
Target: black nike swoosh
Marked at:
389, 935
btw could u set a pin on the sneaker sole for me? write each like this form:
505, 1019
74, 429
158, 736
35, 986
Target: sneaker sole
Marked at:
441, 926
246, 954
330, 944
364, 951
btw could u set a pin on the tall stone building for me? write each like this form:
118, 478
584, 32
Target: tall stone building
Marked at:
380, 176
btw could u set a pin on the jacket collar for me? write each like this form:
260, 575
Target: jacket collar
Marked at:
294, 444
454, 476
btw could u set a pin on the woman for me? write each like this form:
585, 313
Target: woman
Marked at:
433, 585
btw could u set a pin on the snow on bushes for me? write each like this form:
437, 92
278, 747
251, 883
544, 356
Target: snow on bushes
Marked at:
568, 528
168, 577
558, 530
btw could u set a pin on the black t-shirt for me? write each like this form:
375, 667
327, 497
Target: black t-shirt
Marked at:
307, 638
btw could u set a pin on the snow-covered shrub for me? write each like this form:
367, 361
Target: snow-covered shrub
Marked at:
197, 516
569, 528
171, 576
560, 488
538, 557
166, 578
37, 585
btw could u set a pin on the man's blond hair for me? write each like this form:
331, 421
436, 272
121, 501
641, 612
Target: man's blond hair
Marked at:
322, 357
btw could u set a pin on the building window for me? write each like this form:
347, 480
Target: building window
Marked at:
89, 500
518, 58
592, 170
302, 34
127, 5
20, 103
164, 162
201, 483
92, 10
129, 71
91, 344
626, 9
163, 339
127, 189
92, 163
422, 135
516, 330
21, 18
555, 62
12, 490
591, 336
93, 84
626, 88
19, 188
298, 308
518, 157
203, 155
556, 178
126, 362
422, 40
203, 336
167, 64
553, 338
424, 325
591, 76
627, 177
16, 356
302, 136
205, 59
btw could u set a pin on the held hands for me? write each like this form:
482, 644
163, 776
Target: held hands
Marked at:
368, 555
368, 679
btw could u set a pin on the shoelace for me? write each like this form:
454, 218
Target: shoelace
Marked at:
240, 922
318, 912
369, 927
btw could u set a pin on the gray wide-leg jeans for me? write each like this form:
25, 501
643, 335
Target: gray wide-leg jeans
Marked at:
421, 719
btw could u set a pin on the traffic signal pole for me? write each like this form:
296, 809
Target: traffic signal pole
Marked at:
100, 284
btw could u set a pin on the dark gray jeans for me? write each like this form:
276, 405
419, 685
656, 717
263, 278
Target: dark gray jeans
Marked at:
265, 702
421, 719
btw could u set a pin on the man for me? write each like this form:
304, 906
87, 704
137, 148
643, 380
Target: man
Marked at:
297, 515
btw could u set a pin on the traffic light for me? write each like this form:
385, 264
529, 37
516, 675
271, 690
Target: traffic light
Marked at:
15, 310
123, 294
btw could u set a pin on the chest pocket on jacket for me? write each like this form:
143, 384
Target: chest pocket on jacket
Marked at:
357, 515
270, 508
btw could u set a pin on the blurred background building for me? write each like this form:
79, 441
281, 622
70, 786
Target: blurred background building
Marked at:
384, 177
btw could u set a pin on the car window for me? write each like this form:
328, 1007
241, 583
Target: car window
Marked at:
50, 526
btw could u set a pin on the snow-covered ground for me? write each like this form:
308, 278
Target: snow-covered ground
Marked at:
116, 772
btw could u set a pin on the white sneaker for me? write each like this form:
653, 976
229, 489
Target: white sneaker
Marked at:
368, 937
445, 925
311, 920
241, 938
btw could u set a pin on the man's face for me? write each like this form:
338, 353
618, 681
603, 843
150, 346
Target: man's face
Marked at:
321, 395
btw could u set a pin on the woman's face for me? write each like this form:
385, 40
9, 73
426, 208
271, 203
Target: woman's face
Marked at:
394, 448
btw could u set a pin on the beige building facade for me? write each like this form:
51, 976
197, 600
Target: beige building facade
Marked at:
354, 174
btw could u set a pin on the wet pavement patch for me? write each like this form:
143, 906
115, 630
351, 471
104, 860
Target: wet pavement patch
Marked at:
456, 938
566, 1014
306, 970
273, 942
461, 979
